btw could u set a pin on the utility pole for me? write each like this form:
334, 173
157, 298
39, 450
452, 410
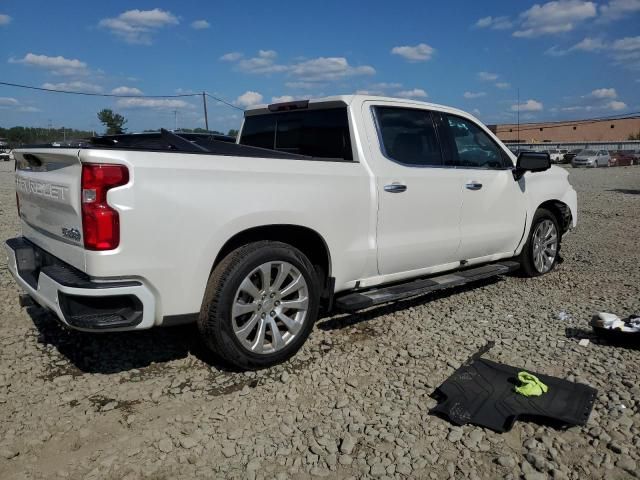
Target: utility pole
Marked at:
204, 104
518, 115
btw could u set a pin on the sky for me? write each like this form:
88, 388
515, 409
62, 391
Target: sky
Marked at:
568, 59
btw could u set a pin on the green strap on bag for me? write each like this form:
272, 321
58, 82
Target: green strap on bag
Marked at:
530, 385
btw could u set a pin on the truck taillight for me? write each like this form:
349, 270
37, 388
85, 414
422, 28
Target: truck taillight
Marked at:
100, 222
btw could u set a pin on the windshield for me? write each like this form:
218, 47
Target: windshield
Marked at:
588, 152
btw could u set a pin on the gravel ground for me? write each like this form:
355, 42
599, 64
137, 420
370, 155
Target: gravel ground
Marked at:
354, 402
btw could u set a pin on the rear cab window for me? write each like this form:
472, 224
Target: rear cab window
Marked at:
318, 134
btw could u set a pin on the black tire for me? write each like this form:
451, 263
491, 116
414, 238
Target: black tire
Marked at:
526, 256
215, 322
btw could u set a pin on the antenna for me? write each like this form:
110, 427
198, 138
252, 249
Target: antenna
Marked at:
518, 114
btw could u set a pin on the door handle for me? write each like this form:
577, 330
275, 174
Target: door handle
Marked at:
473, 186
395, 188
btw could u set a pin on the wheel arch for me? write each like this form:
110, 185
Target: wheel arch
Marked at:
305, 239
561, 211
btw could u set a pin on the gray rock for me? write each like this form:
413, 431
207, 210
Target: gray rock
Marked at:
165, 445
506, 461
8, 453
455, 434
627, 464
347, 445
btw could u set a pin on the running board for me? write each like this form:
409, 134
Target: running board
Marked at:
358, 300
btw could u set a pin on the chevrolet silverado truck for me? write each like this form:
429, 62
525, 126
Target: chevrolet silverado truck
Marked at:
338, 203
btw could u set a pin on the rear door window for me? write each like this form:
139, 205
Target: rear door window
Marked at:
320, 133
408, 136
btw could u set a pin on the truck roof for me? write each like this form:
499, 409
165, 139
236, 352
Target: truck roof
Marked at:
346, 100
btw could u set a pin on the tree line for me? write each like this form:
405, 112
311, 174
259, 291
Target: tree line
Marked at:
17, 136
114, 124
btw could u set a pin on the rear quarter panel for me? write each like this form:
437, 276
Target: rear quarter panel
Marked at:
179, 210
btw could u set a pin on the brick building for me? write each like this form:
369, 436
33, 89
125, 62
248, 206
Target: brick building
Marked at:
569, 131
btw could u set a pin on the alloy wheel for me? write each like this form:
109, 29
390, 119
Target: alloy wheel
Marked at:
270, 307
545, 245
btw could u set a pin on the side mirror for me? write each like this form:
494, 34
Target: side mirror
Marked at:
531, 162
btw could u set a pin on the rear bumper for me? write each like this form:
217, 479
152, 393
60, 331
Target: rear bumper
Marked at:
78, 301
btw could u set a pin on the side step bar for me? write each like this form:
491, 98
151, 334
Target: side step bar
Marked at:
358, 300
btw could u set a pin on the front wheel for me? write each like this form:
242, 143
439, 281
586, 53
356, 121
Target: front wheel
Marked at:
540, 254
260, 305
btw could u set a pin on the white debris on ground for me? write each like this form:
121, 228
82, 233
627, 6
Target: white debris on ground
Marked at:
355, 402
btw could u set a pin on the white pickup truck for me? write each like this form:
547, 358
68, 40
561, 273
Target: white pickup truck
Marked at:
338, 203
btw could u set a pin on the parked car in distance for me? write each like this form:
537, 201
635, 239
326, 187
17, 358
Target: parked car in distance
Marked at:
634, 154
591, 158
571, 154
4, 150
557, 155
621, 158
338, 203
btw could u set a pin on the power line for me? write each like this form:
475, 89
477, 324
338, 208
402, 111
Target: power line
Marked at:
570, 123
223, 101
91, 94
113, 95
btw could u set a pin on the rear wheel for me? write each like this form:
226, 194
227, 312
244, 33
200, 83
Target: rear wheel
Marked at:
540, 254
260, 305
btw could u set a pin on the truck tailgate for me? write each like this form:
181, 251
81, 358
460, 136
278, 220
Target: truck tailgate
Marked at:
48, 191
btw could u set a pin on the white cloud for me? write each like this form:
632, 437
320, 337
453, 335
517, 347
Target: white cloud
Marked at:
74, 86
283, 98
328, 69
231, 57
627, 44
13, 104
301, 85
494, 23
265, 62
626, 52
617, 9
471, 95
598, 99
554, 17
307, 72
418, 53
476, 112
8, 102
155, 103
58, 65
200, 24
588, 44
603, 93
487, 76
413, 93
4, 19
503, 85
528, 106
616, 105
386, 85
249, 99
137, 26
126, 91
